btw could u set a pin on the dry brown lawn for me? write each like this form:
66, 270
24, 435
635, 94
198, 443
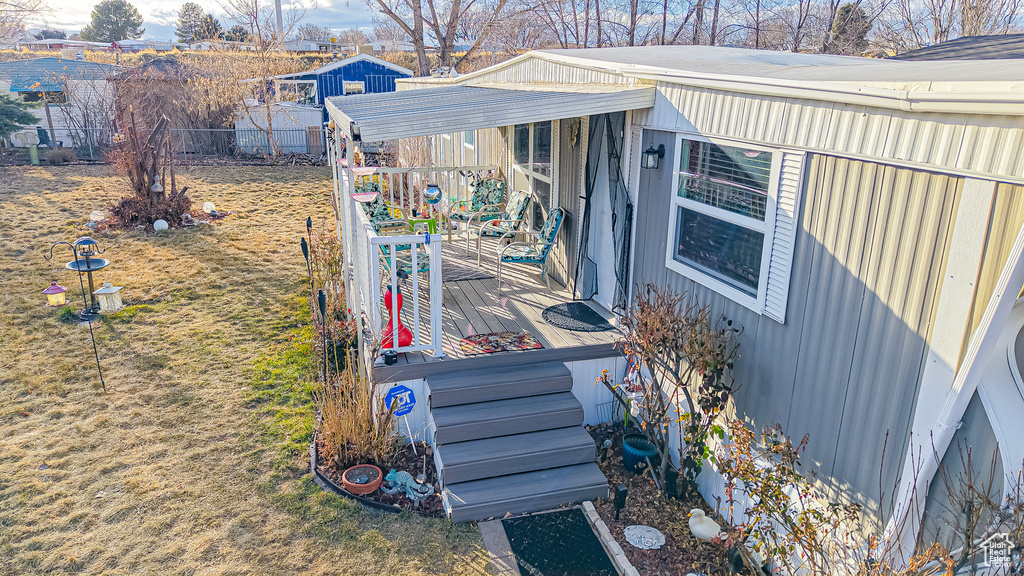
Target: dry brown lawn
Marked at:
193, 460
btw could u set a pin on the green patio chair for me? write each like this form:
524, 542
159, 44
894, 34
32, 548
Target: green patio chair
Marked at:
511, 220
533, 252
487, 203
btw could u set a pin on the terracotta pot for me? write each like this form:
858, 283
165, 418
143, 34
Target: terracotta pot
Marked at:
370, 474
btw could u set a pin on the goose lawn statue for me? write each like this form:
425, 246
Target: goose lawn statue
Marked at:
703, 528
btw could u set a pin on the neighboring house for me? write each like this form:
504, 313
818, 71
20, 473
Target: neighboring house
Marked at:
78, 95
299, 112
995, 47
133, 45
861, 219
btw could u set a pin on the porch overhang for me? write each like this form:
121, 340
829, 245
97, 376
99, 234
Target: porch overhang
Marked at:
428, 111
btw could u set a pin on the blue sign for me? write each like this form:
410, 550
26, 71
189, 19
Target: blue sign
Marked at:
401, 398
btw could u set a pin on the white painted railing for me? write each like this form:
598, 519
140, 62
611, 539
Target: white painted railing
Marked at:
403, 187
365, 256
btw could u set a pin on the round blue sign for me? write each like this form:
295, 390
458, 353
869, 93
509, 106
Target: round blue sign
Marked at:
401, 399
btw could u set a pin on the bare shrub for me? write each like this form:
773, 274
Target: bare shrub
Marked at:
61, 156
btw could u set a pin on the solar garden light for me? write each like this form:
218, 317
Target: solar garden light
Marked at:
652, 157
55, 294
620, 498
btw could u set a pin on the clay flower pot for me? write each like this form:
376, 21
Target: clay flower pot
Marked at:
362, 479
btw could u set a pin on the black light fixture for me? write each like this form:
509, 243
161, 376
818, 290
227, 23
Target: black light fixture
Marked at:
652, 157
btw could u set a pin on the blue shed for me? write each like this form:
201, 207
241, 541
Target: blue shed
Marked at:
360, 74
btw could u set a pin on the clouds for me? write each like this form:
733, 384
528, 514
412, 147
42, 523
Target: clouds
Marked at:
160, 15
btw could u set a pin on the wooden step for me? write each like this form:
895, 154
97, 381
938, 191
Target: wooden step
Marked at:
505, 417
491, 457
526, 492
453, 389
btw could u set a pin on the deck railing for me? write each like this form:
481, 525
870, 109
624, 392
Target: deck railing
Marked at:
403, 187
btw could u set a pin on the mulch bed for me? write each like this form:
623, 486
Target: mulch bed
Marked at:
645, 504
406, 460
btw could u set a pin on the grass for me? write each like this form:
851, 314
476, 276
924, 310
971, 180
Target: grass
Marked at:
196, 459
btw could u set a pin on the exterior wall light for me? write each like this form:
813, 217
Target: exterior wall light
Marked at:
652, 157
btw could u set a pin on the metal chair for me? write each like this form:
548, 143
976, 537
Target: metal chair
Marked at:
511, 220
487, 203
536, 251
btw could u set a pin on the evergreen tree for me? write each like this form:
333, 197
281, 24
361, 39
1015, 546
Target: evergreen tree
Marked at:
210, 29
47, 34
113, 20
190, 20
14, 115
849, 33
237, 33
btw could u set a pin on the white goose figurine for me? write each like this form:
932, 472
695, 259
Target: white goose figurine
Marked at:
703, 528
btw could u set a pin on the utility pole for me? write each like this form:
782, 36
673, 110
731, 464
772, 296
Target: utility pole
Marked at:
280, 21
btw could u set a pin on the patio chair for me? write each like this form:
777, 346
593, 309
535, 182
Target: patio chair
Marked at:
511, 220
487, 203
536, 251
386, 219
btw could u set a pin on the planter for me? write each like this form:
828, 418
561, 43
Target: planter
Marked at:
636, 449
362, 479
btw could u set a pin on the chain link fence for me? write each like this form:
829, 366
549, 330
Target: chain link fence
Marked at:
193, 144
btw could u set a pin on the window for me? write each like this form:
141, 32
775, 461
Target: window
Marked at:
57, 97
723, 217
532, 165
351, 87
470, 137
297, 91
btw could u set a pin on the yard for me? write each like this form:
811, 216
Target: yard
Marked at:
195, 461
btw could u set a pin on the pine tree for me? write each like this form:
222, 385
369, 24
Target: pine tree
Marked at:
237, 33
113, 20
190, 20
14, 115
210, 29
849, 33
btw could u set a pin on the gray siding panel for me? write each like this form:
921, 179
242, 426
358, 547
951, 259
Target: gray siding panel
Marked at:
846, 365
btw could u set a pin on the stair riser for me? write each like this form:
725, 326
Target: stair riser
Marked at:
515, 464
508, 426
497, 391
462, 513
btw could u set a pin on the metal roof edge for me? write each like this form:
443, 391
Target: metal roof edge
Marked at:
986, 103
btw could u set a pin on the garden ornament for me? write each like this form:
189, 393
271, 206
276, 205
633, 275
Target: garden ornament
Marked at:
396, 482
703, 528
644, 537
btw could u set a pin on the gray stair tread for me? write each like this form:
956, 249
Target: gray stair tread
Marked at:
482, 412
525, 492
528, 444
502, 376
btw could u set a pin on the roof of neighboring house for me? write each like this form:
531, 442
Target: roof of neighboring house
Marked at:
346, 62
983, 87
996, 47
49, 69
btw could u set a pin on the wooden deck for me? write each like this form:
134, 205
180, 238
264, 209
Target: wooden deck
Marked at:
474, 306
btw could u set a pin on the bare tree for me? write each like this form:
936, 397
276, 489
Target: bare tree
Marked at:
310, 31
13, 14
255, 70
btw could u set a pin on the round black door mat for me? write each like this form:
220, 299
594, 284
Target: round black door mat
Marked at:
575, 316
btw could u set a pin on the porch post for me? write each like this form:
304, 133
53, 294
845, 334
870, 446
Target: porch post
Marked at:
941, 405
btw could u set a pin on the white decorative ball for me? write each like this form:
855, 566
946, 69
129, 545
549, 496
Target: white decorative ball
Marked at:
160, 225
208, 207
96, 216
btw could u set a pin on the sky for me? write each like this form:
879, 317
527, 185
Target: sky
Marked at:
159, 15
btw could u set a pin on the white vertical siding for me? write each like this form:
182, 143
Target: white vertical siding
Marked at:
591, 393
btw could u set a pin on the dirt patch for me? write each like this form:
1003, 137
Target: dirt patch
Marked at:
646, 505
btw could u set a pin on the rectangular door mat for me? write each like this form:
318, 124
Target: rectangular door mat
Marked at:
557, 544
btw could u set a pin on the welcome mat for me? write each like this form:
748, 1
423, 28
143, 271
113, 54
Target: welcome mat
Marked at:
575, 316
498, 342
557, 544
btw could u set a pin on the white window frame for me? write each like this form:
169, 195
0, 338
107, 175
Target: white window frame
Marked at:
345, 83
767, 227
316, 95
528, 172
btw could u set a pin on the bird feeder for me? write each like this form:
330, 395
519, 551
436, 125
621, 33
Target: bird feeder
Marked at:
86, 261
109, 298
55, 295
